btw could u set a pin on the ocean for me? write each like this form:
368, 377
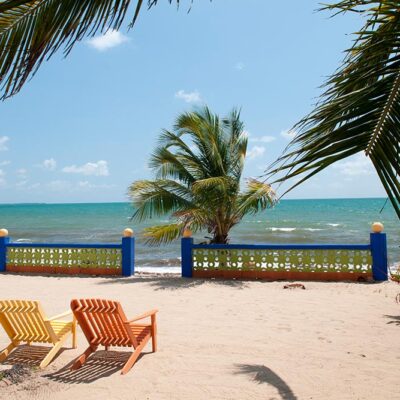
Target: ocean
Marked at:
291, 221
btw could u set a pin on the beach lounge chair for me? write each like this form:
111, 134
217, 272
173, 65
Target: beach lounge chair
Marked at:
25, 321
104, 323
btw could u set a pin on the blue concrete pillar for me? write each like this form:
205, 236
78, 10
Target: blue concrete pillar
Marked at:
3, 252
128, 256
186, 257
379, 256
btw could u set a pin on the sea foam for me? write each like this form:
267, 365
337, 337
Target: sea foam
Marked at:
274, 229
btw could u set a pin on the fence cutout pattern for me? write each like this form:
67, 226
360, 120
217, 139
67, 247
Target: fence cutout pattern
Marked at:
299, 262
87, 259
94, 260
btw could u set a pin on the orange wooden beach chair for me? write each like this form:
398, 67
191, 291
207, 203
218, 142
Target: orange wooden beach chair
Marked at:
104, 323
25, 321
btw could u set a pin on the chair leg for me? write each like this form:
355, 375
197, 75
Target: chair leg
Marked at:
83, 357
74, 342
51, 354
132, 359
154, 335
4, 353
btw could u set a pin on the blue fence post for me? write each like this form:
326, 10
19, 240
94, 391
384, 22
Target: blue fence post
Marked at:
186, 254
379, 253
128, 253
4, 239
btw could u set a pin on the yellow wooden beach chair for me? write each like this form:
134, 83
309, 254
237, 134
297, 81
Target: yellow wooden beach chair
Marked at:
24, 321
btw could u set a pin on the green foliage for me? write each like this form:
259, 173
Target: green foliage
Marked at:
360, 109
198, 168
31, 31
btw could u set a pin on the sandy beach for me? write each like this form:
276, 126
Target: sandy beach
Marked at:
224, 340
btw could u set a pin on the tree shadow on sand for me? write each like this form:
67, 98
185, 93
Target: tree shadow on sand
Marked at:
173, 282
262, 374
395, 319
100, 365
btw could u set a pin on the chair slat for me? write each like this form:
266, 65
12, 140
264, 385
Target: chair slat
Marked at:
103, 322
25, 321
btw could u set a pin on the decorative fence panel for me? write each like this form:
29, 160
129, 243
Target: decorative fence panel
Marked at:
61, 258
331, 262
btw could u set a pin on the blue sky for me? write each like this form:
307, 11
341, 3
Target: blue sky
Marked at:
83, 128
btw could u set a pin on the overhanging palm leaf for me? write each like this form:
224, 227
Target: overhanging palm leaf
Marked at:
360, 110
33, 30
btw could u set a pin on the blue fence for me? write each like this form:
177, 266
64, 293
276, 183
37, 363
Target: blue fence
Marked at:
360, 262
68, 258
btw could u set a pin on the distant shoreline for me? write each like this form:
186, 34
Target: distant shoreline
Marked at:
128, 202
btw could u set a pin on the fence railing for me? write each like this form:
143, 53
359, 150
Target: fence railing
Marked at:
334, 262
67, 258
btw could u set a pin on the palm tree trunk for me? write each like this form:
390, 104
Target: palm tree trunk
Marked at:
220, 238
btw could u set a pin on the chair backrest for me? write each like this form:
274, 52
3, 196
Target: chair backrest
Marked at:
102, 322
24, 321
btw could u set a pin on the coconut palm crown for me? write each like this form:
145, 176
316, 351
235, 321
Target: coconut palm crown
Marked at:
198, 169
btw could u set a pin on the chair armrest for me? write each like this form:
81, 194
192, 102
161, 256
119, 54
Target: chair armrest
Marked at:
145, 315
66, 313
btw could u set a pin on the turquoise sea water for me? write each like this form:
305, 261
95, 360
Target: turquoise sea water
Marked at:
292, 221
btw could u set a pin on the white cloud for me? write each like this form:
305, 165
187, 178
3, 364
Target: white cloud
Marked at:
88, 185
99, 168
3, 143
189, 97
49, 164
288, 134
22, 173
4, 163
110, 39
263, 139
255, 151
239, 66
75, 187
357, 165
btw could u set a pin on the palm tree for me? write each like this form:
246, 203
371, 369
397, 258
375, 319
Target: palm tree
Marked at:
360, 109
198, 169
33, 30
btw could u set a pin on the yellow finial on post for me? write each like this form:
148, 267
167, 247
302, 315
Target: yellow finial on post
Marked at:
377, 227
187, 233
3, 232
128, 232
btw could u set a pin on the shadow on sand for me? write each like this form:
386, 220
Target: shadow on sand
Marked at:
29, 355
395, 319
100, 365
160, 282
262, 374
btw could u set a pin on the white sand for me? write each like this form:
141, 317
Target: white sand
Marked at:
228, 340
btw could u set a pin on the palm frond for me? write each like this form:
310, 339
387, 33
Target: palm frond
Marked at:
155, 198
156, 235
360, 109
169, 165
216, 184
257, 197
32, 31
